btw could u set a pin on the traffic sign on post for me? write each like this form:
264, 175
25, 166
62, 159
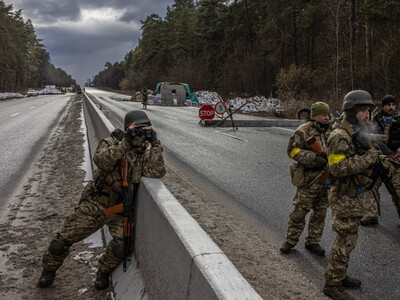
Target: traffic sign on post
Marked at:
206, 112
220, 108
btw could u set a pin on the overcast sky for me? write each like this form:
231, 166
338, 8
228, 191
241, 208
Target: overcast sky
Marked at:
82, 35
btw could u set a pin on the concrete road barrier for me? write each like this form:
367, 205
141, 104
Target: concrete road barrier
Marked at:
176, 258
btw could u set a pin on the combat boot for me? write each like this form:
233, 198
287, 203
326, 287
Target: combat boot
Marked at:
316, 249
102, 280
46, 278
286, 247
337, 292
350, 282
369, 221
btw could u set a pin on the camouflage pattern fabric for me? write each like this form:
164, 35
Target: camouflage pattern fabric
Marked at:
103, 193
87, 219
305, 200
349, 167
313, 163
346, 239
313, 195
349, 195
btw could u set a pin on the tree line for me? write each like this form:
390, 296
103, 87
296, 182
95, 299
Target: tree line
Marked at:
294, 49
24, 61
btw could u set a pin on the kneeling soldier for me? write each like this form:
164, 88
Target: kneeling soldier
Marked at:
140, 147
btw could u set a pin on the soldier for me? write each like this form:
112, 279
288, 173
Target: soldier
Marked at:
140, 146
349, 166
382, 125
308, 176
144, 98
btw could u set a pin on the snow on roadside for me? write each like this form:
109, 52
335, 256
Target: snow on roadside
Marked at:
254, 104
4, 96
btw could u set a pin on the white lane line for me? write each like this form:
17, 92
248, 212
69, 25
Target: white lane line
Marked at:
232, 136
31, 107
16, 114
287, 129
168, 116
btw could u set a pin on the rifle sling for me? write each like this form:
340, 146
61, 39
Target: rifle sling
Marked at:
114, 210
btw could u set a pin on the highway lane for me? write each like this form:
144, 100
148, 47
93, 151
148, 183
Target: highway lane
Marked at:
249, 170
25, 124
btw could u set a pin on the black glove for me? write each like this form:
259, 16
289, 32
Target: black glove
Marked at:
153, 141
128, 137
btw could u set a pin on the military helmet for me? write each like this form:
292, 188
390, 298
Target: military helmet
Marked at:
136, 116
357, 97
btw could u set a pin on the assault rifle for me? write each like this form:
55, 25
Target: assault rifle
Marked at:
317, 148
126, 208
378, 170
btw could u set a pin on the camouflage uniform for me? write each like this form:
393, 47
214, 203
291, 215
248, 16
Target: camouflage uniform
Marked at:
383, 131
310, 193
101, 194
349, 167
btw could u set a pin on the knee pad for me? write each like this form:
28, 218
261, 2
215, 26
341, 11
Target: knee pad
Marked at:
118, 250
59, 246
298, 214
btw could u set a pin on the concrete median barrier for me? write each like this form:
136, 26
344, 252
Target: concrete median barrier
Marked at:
176, 258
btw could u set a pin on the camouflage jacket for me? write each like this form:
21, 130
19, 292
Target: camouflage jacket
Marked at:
107, 179
309, 165
349, 173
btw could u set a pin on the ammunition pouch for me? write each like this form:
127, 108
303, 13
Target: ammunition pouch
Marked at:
297, 175
353, 185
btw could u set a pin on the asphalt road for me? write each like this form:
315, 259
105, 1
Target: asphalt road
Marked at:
25, 124
248, 169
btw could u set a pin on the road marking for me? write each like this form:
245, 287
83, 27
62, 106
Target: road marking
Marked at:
31, 107
14, 115
287, 129
232, 136
171, 117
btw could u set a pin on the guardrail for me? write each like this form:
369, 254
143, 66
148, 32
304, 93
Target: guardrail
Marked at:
176, 258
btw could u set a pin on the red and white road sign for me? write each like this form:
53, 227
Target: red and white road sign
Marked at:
98, 105
207, 112
220, 108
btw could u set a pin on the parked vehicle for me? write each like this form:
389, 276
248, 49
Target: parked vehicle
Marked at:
31, 93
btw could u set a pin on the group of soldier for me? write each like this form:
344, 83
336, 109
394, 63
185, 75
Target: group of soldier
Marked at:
333, 168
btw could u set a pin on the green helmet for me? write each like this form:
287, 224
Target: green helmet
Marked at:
357, 97
136, 116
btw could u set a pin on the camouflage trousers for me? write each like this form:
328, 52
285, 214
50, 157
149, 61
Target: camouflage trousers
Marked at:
304, 201
372, 200
87, 219
346, 239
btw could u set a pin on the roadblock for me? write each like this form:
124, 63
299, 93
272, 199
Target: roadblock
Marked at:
176, 258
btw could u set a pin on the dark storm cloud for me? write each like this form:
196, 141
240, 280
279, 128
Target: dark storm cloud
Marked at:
128, 16
49, 11
81, 46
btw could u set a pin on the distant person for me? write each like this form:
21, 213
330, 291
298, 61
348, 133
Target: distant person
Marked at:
139, 145
144, 97
309, 175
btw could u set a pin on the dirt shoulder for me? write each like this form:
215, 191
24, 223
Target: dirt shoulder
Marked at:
51, 192
272, 275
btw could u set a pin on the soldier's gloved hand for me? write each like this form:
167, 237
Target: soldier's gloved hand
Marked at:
320, 162
372, 156
128, 137
154, 142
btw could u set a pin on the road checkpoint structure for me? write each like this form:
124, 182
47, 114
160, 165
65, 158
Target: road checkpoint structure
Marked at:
176, 258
